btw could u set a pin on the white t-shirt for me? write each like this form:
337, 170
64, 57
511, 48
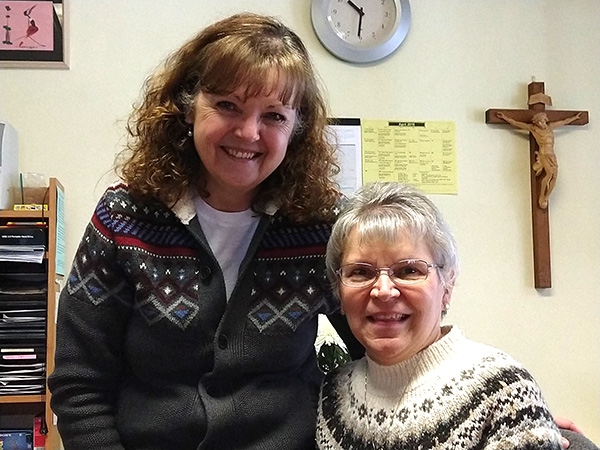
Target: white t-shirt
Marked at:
229, 235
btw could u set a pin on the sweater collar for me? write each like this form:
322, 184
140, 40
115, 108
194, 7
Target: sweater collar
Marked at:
185, 208
385, 379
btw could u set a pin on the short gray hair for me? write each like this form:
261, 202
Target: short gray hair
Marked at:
382, 211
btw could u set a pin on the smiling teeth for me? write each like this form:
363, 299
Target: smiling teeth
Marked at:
389, 316
240, 154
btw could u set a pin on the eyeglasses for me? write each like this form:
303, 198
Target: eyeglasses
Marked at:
402, 273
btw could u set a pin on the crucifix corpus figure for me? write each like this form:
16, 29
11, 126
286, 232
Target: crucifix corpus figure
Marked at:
541, 124
545, 159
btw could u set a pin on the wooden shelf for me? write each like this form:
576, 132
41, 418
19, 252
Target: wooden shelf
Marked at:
36, 398
9, 213
32, 405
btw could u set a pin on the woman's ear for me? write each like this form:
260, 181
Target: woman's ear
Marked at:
189, 115
446, 297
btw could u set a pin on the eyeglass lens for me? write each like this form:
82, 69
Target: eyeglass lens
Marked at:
403, 272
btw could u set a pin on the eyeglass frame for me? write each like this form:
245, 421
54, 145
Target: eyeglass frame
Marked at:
378, 270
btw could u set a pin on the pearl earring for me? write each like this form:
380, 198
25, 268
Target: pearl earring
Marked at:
190, 133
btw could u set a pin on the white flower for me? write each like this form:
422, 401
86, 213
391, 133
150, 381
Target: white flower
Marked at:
326, 334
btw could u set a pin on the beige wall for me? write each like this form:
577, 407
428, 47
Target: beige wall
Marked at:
460, 58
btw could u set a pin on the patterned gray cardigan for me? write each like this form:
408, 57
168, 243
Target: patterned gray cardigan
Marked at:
151, 355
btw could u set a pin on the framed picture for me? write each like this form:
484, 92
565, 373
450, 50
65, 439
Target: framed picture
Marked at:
34, 34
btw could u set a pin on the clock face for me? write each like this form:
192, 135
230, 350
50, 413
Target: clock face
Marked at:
365, 26
361, 31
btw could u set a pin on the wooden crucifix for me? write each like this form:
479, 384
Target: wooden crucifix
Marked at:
544, 168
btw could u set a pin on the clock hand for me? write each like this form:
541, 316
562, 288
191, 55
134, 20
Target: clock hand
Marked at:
360, 12
360, 22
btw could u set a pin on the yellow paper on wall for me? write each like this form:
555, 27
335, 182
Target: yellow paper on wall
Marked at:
419, 153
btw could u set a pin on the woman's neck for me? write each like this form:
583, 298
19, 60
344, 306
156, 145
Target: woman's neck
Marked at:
229, 201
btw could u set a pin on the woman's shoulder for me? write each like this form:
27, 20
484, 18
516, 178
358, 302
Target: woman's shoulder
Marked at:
491, 366
477, 350
291, 233
119, 204
119, 197
119, 192
485, 360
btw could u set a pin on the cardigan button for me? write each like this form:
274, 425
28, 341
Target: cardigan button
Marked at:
223, 341
205, 273
211, 390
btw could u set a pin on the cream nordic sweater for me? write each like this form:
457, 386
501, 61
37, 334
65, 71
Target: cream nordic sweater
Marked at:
455, 394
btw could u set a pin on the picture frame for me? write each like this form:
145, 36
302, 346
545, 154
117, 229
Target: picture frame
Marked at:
34, 34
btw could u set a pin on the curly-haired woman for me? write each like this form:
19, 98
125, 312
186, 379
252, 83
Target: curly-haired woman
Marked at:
190, 314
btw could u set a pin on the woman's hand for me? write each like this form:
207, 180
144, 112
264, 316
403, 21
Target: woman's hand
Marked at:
567, 424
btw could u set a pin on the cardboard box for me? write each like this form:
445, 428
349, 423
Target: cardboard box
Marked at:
30, 195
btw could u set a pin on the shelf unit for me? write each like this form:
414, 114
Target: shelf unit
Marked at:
21, 408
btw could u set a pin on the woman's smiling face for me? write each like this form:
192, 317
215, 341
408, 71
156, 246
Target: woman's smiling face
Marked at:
241, 140
392, 322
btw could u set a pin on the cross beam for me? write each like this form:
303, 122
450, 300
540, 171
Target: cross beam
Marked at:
539, 215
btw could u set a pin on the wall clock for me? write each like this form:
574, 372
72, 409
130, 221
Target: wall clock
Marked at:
361, 31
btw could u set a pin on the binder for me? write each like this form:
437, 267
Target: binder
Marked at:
21, 379
23, 312
29, 236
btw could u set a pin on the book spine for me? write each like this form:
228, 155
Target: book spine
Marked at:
39, 433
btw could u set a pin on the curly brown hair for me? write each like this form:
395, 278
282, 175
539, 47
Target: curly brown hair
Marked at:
244, 50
